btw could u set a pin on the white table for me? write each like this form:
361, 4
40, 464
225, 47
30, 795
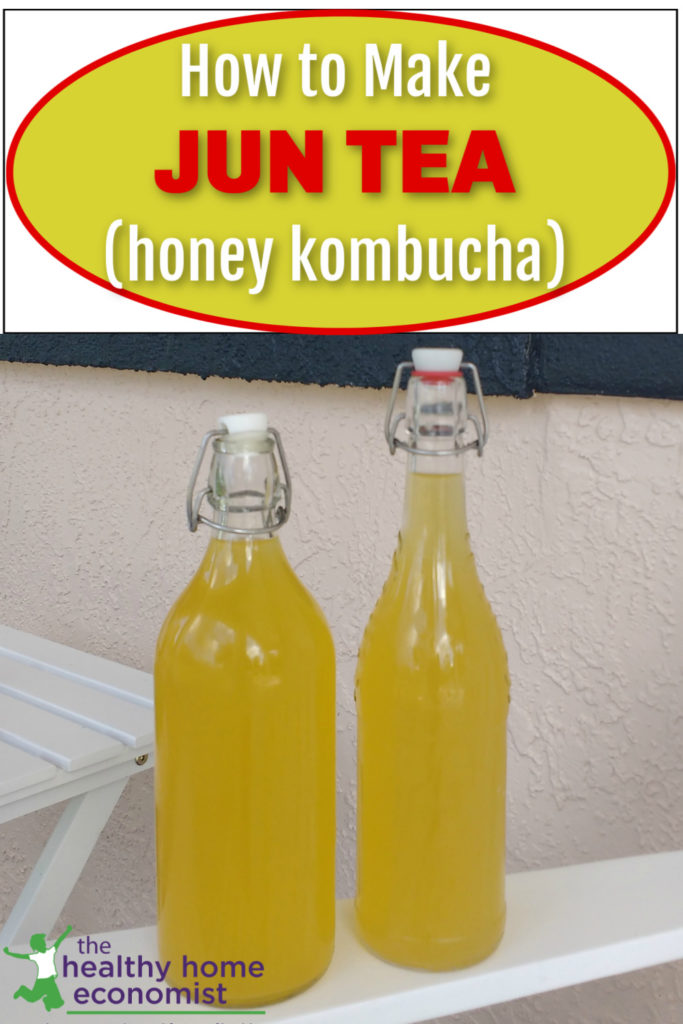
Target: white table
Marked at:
565, 926
72, 727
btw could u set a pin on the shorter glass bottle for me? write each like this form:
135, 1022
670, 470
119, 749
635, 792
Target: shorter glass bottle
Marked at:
432, 697
245, 722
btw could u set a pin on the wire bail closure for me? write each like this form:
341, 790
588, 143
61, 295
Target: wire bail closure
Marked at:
391, 422
194, 501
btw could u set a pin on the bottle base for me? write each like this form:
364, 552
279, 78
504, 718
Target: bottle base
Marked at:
418, 954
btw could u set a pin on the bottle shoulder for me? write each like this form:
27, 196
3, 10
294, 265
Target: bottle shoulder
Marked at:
433, 617
262, 607
432, 582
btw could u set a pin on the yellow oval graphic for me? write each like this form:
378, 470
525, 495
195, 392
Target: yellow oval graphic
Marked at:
340, 173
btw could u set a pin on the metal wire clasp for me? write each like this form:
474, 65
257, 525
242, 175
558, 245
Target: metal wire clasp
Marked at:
392, 421
194, 501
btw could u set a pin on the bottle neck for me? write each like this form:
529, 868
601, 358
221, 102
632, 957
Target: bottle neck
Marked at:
436, 465
234, 522
434, 507
434, 511
244, 487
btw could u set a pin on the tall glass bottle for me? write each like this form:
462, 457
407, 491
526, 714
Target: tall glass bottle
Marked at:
245, 719
432, 695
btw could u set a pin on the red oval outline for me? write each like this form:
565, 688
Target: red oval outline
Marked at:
346, 13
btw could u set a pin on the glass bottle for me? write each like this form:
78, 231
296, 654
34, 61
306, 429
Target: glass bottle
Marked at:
245, 720
432, 695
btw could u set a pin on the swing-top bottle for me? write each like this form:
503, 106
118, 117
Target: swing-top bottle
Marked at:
432, 698
244, 694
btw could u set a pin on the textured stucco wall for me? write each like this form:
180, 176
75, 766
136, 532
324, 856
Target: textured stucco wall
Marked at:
575, 517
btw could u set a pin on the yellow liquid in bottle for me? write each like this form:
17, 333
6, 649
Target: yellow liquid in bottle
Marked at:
244, 684
432, 694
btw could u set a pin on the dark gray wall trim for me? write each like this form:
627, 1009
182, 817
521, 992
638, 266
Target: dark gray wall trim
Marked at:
646, 365
640, 365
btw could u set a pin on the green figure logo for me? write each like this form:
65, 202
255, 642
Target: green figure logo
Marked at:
45, 986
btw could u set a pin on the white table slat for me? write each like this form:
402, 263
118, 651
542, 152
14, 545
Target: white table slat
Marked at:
130, 723
19, 770
93, 671
63, 743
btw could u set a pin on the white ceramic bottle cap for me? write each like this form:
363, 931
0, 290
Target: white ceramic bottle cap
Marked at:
245, 422
437, 360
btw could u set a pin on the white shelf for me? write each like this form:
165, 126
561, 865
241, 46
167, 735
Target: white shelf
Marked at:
565, 926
